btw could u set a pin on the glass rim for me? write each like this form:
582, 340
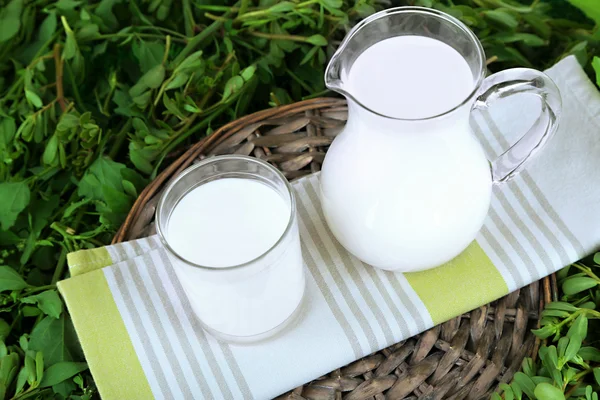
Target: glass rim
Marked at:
211, 160
415, 10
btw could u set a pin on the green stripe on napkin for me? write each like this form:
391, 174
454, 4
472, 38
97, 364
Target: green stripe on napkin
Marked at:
461, 285
84, 261
103, 334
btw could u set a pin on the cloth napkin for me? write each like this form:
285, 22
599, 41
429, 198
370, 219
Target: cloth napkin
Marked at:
142, 341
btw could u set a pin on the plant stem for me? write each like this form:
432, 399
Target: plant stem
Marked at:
274, 36
243, 7
75, 89
60, 266
318, 94
298, 80
215, 17
215, 8
188, 18
121, 136
196, 41
184, 135
40, 289
161, 29
587, 271
137, 34
58, 63
167, 48
307, 3
14, 322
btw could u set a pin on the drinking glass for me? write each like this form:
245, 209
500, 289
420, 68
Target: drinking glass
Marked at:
250, 301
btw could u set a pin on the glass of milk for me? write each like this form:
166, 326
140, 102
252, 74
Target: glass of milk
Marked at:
230, 229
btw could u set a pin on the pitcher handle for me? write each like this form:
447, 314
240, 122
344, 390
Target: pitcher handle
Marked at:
514, 81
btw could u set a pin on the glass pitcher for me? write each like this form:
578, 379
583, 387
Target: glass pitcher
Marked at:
411, 194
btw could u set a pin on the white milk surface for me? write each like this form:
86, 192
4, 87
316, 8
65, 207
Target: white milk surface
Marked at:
225, 223
406, 194
410, 77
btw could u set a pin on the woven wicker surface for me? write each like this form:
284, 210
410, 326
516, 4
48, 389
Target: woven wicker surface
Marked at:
464, 358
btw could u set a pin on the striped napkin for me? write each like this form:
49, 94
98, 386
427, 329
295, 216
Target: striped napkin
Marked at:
142, 341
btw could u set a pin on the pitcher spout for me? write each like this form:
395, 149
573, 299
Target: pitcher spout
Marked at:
333, 74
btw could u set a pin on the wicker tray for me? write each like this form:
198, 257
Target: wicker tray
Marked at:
464, 358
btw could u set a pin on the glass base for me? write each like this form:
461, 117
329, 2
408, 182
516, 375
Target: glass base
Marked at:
270, 334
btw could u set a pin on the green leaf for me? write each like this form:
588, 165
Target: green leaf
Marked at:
527, 367
172, 107
572, 348
516, 388
132, 176
577, 284
15, 197
55, 338
21, 380
61, 371
39, 366
103, 171
88, 32
248, 72
10, 279
190, 63
4, 329
544, 332
502, 17
71, 48
596, 66
233, 85
104, 11
597, 375
65, 388
526, 384
578, 328
138, 159
10, 19
8, 128
130, 188
561, 305
149, 54
309, 55
364, 10
589, 354
590, 8
33, 98
178, 81
332, 3
496, 396
538, 24
317, 40
508, 393
526, 38
563, 342
282, 6
154, 77
545, 391
30, 366
50, 155
552, 366
49, 302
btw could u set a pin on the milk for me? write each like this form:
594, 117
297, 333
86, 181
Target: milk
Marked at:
410, 77
222, 224
411, 194
227, 222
